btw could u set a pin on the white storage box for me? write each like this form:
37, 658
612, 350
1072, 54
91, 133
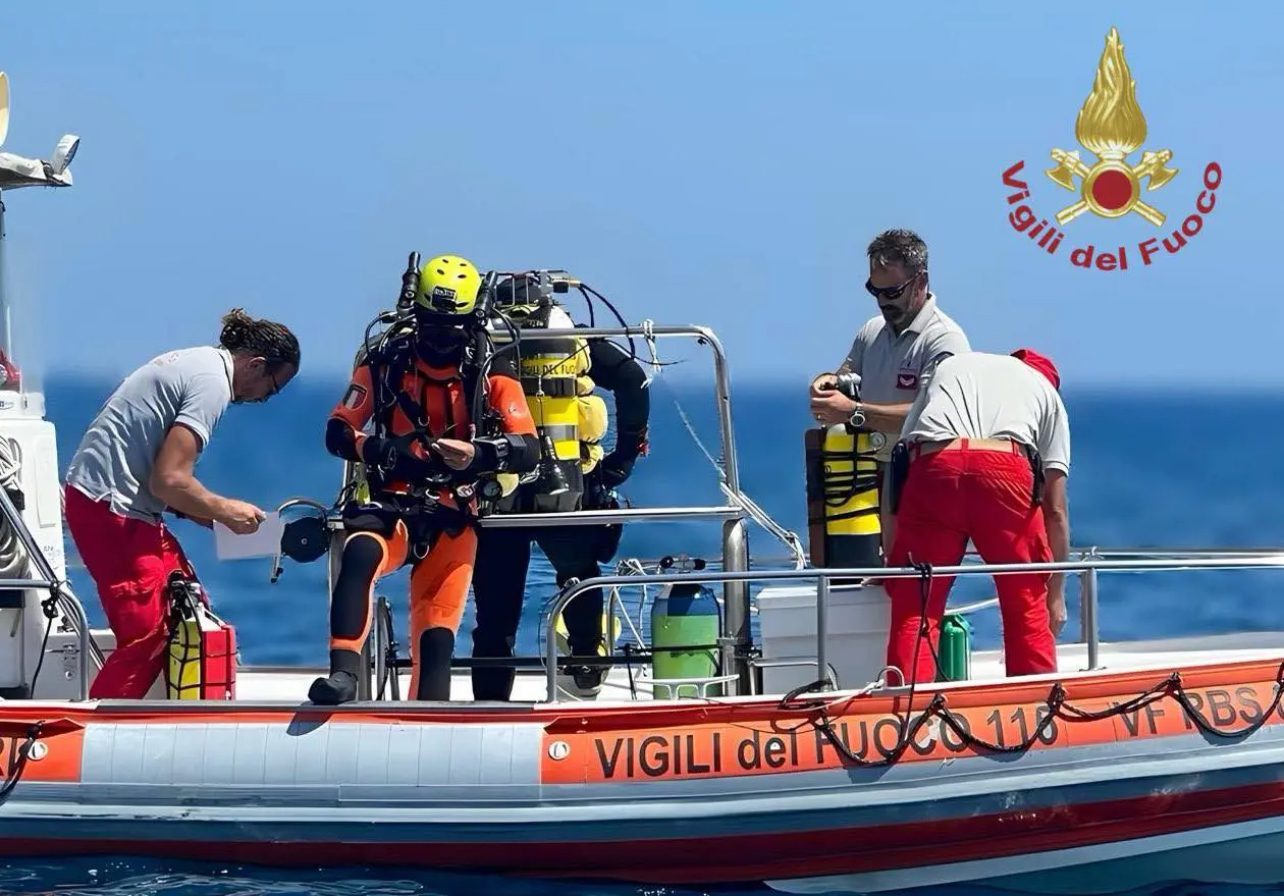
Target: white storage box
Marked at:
856, 644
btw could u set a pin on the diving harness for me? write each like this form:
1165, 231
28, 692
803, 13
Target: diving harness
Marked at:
387, 351
392, 351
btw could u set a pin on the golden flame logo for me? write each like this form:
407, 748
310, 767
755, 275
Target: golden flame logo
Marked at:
1111, 126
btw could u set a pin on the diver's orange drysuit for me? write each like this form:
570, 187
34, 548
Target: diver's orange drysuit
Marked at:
415, 513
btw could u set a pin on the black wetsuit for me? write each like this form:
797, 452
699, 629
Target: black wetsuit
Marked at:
503, 555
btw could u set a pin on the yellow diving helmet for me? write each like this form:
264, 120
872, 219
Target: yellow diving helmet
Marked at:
448, 286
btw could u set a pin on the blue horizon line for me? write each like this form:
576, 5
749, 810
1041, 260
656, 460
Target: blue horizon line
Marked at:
1096, 387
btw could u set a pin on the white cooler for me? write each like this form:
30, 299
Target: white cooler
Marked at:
857, 625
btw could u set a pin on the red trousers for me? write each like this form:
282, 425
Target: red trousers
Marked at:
954, 494
130, 562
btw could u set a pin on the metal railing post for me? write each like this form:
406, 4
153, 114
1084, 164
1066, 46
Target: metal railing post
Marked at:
822, 613
722, 394
1088, 630
736, 636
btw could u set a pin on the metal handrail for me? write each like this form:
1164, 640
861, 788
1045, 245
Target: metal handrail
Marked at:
721, 377
732, 515
1089, 565
604, 517
67, 600
24, 584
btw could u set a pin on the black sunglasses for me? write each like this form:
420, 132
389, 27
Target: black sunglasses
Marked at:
889, 292
276, 387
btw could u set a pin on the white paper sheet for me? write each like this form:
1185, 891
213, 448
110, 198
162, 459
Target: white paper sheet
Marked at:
261, 543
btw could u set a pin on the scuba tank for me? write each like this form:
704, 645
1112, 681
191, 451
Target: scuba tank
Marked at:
570, 421
201, 652
684, 615
549, 369
843, 524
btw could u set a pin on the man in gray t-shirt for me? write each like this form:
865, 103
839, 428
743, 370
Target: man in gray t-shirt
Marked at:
894, 354
190, 388
137, 460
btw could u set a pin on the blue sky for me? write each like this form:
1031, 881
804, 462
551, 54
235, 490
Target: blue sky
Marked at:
717, 163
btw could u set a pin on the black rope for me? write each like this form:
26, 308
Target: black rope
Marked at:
628, 665
24, 752
49, 606
1058, 707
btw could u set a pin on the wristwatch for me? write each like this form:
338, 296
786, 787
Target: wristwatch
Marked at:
857, 419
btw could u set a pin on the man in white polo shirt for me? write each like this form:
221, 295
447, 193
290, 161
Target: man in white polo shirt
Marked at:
985, 455
896, 351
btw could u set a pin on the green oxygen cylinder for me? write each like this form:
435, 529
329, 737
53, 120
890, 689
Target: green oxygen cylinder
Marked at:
955, 652
684, 615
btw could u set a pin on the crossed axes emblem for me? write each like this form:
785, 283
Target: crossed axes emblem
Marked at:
1152, 165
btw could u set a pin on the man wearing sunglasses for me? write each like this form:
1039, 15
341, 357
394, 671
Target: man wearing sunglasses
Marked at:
137, 460
894, 353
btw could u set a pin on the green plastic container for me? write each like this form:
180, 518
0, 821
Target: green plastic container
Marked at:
955, 651
685, 616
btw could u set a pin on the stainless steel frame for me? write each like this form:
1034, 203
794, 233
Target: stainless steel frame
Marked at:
733, 514
1091, 561
68, 603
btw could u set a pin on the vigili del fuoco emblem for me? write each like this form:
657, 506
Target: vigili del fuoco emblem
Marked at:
1111, 127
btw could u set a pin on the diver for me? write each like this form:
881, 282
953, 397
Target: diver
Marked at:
574, 475
445, 416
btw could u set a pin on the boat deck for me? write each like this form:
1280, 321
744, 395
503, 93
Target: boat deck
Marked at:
290, 685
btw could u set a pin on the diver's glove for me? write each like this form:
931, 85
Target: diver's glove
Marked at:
396, 456
504, 454
616, 469
384, 452
618, 465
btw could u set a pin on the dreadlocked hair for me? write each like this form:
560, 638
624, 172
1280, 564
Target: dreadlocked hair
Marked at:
243, 334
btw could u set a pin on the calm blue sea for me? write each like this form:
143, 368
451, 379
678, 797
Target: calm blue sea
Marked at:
1165, 469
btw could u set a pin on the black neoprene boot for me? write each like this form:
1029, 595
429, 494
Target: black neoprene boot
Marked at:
341, 684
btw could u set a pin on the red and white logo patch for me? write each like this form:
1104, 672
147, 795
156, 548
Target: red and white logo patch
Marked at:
907, 379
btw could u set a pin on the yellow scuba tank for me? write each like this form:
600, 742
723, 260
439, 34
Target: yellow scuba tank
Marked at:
570, 420
549, 369
844, 529
201, 656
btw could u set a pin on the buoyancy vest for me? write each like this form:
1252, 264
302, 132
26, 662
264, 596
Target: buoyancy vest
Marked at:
570, 420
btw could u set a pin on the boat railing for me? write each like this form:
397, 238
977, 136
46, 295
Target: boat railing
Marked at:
1089, 562
67, 605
